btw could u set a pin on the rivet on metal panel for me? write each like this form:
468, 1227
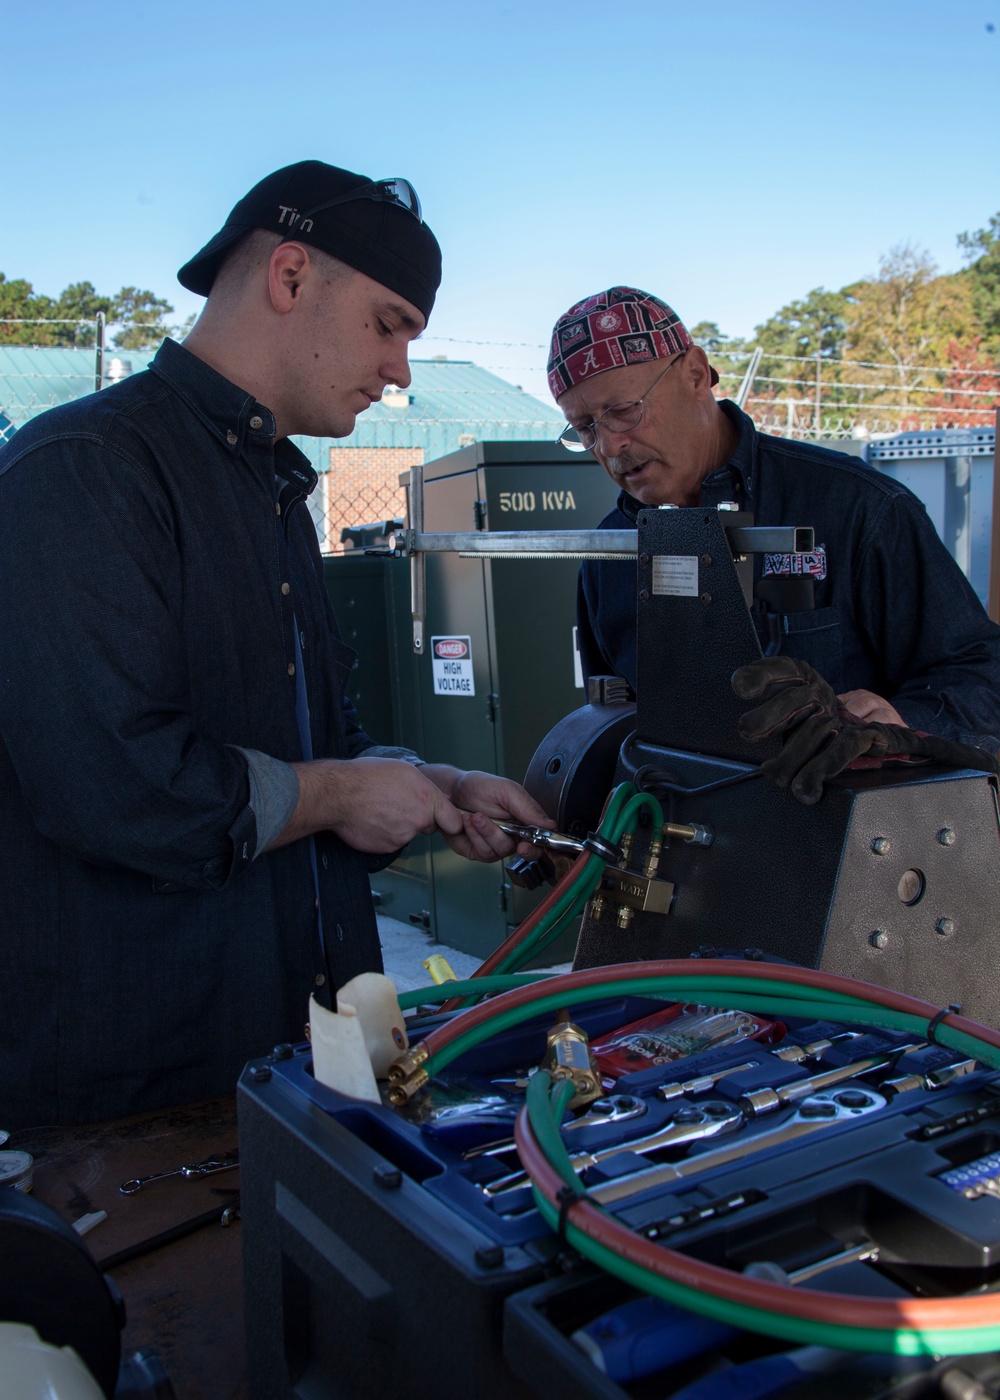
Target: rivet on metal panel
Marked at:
706, 559
878, 939
946, 836
644, 595
706, 597
643, 558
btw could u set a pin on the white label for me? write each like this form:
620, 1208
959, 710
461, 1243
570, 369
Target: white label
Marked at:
451, 659
577, 668
676, 575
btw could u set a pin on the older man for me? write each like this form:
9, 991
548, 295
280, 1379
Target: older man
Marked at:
189, 808
896, 631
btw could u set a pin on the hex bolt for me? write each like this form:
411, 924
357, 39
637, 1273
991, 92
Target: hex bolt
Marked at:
282, 1052
489, 1256
260, 1074
881, 845
946, 836
879, 939
945, 927
389, 1177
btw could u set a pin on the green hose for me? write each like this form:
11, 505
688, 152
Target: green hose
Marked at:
630, 814
545, 1111
770, 997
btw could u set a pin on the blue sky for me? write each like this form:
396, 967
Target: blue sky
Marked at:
726, 156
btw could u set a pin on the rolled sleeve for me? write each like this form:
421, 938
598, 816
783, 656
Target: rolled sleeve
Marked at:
274, 795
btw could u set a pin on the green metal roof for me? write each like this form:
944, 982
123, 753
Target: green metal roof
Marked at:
33, 380
450, 403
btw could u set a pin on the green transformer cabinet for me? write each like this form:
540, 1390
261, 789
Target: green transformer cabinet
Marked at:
500, 666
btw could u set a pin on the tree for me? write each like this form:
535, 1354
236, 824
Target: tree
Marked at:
982, 251
905, 318
816, 325
28, 317
139, 316
78, 304
19, 303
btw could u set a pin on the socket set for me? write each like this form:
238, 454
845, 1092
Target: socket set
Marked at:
402, 1250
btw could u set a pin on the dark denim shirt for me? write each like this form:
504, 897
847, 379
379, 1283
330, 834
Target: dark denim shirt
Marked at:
152, 571
894, 613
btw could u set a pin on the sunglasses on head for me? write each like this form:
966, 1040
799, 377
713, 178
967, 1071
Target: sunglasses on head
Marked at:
392, 191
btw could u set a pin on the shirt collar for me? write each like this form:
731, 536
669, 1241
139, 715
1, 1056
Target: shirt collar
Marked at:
231, 415
735, 476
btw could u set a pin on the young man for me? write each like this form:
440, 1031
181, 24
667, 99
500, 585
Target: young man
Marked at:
896, 631
189, 808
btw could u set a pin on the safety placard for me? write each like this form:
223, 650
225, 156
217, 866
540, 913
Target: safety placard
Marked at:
451, 659
675, 575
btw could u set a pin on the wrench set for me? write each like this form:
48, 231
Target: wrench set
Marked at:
850, 1159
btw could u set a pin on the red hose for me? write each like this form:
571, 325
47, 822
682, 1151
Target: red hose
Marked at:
515, 939
915, 1314
718, 967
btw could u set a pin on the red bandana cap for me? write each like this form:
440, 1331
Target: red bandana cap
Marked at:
622, 326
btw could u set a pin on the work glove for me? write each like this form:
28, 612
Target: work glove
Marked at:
821, 739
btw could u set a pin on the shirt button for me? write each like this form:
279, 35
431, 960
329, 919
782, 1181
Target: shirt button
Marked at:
256, 421
291, 668
286, 588
231, 438
320, 979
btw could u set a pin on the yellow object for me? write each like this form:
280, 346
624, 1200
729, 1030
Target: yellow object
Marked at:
438, 969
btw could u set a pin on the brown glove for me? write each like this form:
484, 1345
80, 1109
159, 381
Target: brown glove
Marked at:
822, 740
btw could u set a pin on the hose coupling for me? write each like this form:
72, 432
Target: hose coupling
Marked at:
406, 1066
402, 1091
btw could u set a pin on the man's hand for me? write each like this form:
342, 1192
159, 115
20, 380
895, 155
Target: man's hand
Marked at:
373, 804
379, 804
821, 737
482, 796
866, 705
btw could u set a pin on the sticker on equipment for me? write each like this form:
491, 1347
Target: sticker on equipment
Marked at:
451, 658
675, 575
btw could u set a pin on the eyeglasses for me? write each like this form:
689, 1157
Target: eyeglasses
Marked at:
619, 418
393, 191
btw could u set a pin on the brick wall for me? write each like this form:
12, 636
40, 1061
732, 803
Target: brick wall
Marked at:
361, 486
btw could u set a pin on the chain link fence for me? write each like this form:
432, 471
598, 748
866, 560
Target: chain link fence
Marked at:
456, 403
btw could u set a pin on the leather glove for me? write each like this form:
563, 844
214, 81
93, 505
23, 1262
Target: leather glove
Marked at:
821, 739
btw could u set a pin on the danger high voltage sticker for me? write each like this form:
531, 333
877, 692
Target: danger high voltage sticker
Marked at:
451, 659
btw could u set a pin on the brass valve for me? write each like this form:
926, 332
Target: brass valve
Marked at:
568, 1056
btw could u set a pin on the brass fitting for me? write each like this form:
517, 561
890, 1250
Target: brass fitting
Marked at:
596, 906
568, 1056
626, 845
401, 1092
624, 916
653, 859
402, 1069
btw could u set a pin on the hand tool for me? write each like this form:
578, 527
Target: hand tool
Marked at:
825, 1109
693, 1123
193, 1169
